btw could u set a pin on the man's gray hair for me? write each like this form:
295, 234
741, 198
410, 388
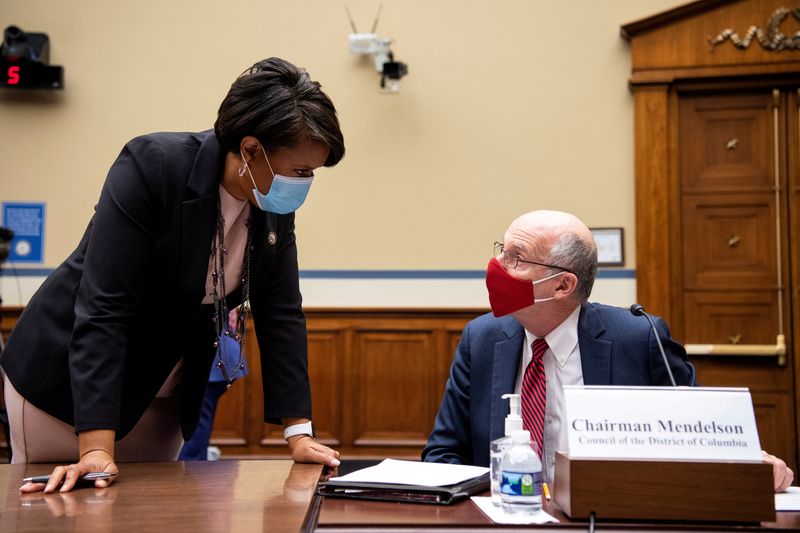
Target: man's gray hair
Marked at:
579, 257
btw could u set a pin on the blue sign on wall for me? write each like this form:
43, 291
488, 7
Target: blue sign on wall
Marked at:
26, 220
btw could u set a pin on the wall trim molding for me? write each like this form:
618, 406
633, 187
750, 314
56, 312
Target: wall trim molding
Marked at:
356, 274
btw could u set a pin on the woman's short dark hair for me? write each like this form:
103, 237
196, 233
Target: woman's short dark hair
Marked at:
281, 106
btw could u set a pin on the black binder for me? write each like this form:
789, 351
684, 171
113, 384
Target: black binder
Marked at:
391, 492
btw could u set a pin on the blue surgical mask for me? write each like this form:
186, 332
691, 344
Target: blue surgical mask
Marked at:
285, 194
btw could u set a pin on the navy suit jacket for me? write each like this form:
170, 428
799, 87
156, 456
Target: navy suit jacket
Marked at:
616, 348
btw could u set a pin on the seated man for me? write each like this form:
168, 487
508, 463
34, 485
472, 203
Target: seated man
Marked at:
549, 340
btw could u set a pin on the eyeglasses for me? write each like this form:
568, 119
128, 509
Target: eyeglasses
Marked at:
512, 261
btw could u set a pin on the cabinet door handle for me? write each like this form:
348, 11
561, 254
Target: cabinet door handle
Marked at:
777, 350
731, 144
733, 241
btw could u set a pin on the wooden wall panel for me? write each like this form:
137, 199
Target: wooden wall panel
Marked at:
394, 379
756, 373
326, 373
773, 411
453, 338
238, 422
772, 397
729, 142
731, 243
730, 317
8, 317
230, 426
377, 377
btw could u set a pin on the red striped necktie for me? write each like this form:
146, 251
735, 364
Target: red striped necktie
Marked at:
534, 394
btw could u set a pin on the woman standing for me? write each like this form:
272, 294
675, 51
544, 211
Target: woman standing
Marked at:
188, 226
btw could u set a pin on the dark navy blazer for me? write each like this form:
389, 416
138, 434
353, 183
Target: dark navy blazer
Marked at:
101, 335
616, 348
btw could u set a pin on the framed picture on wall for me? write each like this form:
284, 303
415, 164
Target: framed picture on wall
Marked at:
610, 246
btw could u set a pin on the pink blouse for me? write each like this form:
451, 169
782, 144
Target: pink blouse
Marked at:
235, 213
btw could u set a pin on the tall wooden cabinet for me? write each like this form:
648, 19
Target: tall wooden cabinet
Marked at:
718, 195
728, 209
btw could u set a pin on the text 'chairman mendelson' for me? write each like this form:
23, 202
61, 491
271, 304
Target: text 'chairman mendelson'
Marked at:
662, 426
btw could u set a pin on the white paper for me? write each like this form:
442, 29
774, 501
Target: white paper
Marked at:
789, 500
661, 423
498, 516
414, 473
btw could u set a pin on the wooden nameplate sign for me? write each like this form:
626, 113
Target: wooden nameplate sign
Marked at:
657, 453
640, 489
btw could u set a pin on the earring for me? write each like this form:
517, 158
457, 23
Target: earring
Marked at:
241, 170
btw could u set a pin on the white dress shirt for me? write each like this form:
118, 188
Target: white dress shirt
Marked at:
562, 366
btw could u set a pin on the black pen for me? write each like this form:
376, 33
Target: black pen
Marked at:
91, 476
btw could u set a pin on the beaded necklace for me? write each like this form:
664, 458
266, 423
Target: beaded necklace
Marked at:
229, 368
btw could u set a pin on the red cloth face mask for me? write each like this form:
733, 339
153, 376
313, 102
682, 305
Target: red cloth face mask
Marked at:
508, 294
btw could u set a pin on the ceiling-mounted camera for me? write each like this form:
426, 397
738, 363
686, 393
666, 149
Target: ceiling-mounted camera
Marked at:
391, 71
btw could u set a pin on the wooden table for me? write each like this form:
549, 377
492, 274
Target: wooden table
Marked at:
254, 495
341, 515
193, 496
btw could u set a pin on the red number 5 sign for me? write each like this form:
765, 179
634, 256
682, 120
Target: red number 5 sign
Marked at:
13, 75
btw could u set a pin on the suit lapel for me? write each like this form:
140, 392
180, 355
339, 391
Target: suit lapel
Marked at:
198, 216
595, 353
507, 357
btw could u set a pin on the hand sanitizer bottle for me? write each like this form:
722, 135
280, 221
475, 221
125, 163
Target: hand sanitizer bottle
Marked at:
521, 476
498, 446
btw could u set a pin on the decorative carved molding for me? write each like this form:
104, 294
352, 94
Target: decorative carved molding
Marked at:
773, 40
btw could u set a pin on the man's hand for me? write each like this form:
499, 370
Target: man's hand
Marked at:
781, 474
307, 450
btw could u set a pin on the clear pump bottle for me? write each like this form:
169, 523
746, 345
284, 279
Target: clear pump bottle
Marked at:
521, 476
499, 446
